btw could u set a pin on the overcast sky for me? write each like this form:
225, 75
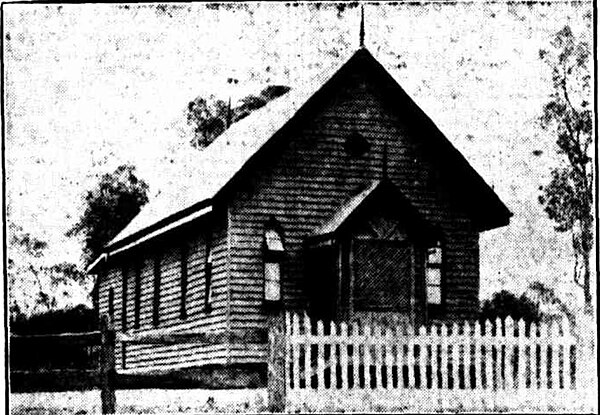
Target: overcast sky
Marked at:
89, 87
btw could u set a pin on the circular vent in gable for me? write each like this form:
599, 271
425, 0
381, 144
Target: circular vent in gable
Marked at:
356, 144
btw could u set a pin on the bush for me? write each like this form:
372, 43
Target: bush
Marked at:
505, 303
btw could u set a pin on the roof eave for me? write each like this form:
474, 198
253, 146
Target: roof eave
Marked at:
91, 269
141, 237
503, 220
499, 209
165, 222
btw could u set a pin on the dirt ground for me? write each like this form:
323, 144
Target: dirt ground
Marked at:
143, 401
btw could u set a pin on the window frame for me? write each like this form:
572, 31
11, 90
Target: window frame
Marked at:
435, 310
272, 282
273, 255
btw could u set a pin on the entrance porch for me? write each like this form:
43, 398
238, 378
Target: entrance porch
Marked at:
369, 261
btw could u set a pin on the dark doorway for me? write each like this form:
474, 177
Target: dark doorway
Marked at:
382, 275
322, 273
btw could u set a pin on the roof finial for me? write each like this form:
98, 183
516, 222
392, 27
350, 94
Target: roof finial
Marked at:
362, 26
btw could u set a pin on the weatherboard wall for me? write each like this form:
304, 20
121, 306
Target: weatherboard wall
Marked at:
168, 251
307, 174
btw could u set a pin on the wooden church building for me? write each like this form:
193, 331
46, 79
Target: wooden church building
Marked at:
345, 201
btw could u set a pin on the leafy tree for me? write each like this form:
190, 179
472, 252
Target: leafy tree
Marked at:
110, 206
568, 197
504, 304
210, 118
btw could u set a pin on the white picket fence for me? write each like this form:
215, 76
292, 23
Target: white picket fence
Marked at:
500, 365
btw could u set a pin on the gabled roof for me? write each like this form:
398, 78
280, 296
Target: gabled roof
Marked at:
217, 166
376, 192
341, 215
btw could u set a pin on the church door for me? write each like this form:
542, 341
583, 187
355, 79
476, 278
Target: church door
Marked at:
383, 276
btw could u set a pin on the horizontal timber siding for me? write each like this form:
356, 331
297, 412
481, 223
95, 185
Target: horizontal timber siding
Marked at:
168, 250
309, 174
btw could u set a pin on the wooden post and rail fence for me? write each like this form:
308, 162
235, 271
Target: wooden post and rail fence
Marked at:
495, 365
106, 338
105, 373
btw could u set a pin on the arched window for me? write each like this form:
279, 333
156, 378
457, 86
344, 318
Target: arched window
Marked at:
273, 256
433, 279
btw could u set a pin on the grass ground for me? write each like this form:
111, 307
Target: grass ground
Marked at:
143, 401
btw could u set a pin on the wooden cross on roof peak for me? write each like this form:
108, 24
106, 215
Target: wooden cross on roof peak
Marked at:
362, 27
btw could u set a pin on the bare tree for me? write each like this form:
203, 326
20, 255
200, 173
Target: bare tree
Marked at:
34, 286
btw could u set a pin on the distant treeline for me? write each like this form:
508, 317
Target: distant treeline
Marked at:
76, 319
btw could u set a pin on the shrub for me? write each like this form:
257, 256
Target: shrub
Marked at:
505, 303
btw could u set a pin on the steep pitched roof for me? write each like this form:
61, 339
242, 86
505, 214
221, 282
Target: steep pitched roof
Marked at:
217, 164
220, 163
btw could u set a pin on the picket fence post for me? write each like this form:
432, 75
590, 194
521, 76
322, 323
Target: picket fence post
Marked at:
489, 362
355, 356
554, 353
455, 355
320, 357
477, 381
467, 342
533, 336
344, 354
333, 360
434, 357
521, 356
307, 353
509, 348
444, 356
388, 357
